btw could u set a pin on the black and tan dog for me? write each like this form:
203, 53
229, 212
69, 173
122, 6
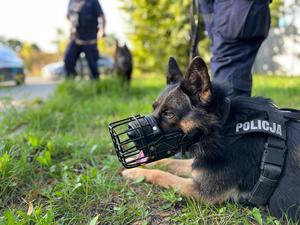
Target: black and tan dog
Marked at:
123, 62
220, 170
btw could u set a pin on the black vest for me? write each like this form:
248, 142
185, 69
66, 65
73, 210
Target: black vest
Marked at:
272, 121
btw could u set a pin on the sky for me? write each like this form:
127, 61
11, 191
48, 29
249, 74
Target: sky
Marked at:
37, 20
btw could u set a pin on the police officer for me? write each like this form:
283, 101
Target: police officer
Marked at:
84, 17
237, 29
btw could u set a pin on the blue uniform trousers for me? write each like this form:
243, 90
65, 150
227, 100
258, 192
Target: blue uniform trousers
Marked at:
237, 29
72, 54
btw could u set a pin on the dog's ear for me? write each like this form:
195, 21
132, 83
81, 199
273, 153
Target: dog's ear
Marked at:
197, 81
117, 44
174, 74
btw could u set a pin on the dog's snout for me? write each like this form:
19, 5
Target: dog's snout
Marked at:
132, 132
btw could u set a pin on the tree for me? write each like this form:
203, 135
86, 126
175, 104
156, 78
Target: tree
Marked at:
159, 29
61, 41
13, 43
275, 12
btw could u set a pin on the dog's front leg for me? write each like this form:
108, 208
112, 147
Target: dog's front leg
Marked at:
186, 186
179, 167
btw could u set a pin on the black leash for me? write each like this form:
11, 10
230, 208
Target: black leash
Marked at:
195, 27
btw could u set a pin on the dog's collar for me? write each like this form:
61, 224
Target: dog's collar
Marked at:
227, 105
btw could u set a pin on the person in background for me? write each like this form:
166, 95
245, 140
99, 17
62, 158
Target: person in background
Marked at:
84, 16
237, 29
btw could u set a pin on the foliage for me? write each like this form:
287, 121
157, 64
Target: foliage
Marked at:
34, 58
159, 29
275, 7
107, 45
60, 41
57, 165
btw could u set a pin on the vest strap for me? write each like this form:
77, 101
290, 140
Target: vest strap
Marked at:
272, 164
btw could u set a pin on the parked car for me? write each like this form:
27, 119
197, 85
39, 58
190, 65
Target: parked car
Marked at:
56, 71
11, 66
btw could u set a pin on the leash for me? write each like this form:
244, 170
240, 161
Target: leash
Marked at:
195, 27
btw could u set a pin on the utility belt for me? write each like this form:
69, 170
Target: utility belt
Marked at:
85, 42
272, 121
75, 37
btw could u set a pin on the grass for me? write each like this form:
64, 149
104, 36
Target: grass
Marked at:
57, 165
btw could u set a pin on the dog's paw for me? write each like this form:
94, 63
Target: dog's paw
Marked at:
133, 174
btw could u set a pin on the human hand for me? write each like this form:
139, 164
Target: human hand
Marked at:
102, 34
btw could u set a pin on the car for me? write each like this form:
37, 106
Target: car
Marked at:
56, 70
11, 66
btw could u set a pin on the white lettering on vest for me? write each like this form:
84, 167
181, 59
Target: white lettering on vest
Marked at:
273, 128
253, 127
246, 126
259, 125
279, 130
238, 127
265, 125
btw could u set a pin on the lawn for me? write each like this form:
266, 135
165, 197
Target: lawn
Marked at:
57, 165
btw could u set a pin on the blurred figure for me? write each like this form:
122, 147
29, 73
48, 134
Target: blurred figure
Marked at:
237, 29
84, 17
123, 62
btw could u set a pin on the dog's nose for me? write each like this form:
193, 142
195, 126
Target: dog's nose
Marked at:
132, 133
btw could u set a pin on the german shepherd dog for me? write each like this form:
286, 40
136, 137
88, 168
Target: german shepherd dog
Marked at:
123, 62
219, 171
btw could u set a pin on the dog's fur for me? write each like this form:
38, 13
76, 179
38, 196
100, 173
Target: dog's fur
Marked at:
123, 62
219, 171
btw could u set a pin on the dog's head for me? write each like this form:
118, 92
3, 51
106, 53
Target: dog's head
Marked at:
122, 56
184, 116
185, 103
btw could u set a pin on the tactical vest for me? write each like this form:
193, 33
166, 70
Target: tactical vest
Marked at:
271, 121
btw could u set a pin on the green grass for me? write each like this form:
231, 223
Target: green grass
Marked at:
57, 165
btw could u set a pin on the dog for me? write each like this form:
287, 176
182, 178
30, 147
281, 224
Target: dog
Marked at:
123, 62
219, 171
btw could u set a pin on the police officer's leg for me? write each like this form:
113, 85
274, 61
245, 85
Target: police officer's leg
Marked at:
239, 27
232, 62
92, 56
71, 55
206, 9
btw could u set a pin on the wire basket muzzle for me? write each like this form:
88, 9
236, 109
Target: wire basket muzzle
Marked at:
138, 140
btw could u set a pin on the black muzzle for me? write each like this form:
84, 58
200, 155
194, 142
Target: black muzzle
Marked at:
139, 140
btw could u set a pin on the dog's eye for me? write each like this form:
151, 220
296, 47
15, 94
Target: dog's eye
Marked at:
168, 114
